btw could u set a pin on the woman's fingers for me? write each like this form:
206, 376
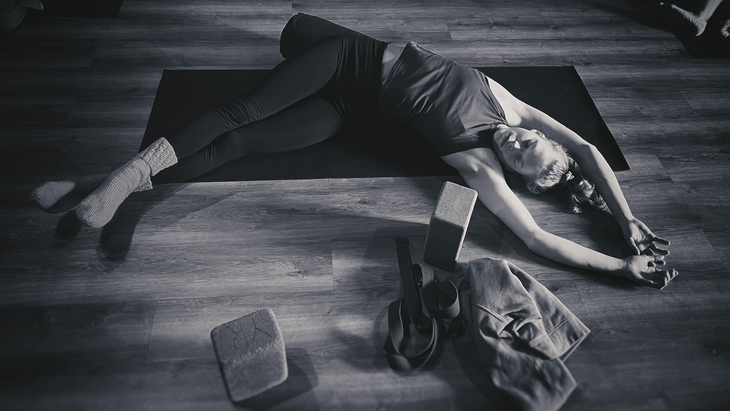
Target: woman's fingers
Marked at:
649, 240
652, 249
669, 276
649, 272
642, 244
663, 277
658, 260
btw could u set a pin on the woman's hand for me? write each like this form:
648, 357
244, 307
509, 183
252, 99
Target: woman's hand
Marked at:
641, 239
643, 270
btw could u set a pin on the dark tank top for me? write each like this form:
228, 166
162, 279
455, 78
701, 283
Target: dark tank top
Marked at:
451, 107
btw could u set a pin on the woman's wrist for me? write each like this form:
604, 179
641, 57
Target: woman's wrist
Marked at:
623, 269
614, 266
624, 218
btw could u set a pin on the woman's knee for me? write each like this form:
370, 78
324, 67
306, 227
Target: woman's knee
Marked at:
304, 30
240, 112
229, 146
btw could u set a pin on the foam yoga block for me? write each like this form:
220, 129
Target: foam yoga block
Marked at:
447, 228
251, 355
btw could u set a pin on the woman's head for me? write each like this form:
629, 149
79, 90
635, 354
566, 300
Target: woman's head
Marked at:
544, 164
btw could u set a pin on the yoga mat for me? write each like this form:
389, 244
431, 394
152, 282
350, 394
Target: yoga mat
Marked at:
370, 149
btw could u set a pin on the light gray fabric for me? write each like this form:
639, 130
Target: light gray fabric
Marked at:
98, 208
522, 331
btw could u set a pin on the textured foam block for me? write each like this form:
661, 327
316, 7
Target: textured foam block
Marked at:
448, 225
251, 354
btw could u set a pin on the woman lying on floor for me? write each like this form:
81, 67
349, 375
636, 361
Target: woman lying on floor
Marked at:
332, 75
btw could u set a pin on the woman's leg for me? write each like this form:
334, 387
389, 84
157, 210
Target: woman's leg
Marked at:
307, 122
294, 79
347, 65
61, 196
289, 82
303, 30
99, 207
303, 124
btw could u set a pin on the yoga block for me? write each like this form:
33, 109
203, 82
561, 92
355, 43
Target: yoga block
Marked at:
250, 353
447, 228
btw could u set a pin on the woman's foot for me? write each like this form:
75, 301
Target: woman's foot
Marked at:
680, 18
60, 196
99, 207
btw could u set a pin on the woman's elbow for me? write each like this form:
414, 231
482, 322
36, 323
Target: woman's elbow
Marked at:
469, 166
585, 151
535, 240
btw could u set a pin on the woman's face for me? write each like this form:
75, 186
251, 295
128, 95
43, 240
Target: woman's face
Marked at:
523, 151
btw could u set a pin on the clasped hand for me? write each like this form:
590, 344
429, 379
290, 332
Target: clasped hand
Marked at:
642, 266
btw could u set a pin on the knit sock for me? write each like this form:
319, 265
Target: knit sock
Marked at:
98, 208
60, 196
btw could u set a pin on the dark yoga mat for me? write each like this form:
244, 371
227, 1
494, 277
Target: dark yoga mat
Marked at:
368, 150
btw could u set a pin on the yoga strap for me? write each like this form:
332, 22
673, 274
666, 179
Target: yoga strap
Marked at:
427, 304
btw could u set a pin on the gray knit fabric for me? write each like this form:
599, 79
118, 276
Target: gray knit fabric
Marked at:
98, 208
61, 196
159, 156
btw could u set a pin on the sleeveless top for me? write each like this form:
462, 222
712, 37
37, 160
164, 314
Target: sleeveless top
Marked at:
451, 107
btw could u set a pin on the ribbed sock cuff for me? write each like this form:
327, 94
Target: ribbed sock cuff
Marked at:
159, 156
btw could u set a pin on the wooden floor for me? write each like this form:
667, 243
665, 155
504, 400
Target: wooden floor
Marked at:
120, 318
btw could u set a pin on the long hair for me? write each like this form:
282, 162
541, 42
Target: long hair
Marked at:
564, 177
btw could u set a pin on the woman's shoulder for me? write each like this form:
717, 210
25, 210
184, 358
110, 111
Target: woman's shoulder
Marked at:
472, 159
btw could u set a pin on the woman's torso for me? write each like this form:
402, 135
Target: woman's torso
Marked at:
451, 107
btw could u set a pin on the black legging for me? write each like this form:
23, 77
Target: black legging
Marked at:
331, 78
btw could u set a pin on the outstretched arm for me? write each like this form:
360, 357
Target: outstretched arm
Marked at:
481, 170
591, 162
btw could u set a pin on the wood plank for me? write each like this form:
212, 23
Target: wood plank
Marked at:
45, 337
23, 54
620, 326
